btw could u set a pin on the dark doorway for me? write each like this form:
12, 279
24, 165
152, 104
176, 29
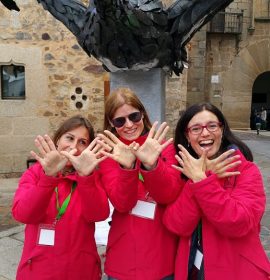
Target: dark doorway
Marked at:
260, 99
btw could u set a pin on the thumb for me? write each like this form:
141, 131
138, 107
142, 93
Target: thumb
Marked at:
68, 155
73, 151
204, 158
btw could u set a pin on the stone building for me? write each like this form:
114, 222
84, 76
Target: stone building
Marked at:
229, 66
230, 62
39, 54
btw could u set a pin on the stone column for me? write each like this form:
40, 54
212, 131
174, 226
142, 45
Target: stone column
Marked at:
149, 87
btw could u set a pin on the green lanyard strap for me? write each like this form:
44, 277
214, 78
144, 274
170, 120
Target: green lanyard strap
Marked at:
141, 177
63, 208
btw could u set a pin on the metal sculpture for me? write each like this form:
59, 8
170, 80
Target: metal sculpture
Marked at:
10, 4
135, 34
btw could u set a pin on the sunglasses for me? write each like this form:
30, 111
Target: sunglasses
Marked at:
133, 117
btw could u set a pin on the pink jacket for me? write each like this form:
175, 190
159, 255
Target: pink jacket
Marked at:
74, 255
139, 248
230, 210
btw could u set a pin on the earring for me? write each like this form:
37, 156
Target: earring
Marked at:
188, 144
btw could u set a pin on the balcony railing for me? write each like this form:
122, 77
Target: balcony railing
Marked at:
225, 22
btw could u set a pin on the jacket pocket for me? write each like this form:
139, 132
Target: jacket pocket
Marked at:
35, 265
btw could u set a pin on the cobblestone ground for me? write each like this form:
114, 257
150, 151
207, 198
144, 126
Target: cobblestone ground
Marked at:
6, 196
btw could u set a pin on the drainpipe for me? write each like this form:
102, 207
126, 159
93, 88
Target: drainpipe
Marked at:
252, 8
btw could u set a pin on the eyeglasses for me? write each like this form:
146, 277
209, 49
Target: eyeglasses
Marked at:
134, 117
198, 128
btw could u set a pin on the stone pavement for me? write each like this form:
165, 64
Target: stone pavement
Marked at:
12, 236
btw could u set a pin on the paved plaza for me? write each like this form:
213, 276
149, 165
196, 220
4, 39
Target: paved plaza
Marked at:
11, 233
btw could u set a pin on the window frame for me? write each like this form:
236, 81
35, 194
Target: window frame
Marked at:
6, 97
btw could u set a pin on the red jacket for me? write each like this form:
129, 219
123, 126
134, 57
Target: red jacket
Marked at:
230, 210
74, 255
138, 248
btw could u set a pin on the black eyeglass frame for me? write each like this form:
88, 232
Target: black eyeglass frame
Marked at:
219, 124
120, 121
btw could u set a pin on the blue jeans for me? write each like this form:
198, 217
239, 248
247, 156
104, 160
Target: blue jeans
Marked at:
171, 277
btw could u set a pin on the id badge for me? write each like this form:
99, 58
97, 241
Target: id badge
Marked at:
144, 209
46, 234
198, 259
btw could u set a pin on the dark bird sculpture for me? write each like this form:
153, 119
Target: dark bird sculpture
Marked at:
135, 34
10, 4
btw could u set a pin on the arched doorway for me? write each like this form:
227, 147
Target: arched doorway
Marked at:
260, 98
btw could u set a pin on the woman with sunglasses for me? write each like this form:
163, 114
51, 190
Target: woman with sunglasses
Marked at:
139, 246
217, 214
59, 199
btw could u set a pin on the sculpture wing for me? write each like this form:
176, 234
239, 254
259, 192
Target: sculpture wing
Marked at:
188, 16
10, 4
69, 12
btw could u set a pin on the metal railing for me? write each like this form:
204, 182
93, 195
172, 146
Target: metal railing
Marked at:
225, 22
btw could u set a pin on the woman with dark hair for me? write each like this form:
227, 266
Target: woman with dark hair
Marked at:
139, 246
218, 212
59, 199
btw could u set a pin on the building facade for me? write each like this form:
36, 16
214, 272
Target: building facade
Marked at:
229, 66
39, 54
230, 62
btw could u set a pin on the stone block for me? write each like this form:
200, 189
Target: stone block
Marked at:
31, 126
6, 127
6, 162
16, 145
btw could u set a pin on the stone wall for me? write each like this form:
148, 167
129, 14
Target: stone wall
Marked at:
61, 81
236, 59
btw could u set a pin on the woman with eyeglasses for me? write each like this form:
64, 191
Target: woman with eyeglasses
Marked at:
218, 212
139, 246
59, 199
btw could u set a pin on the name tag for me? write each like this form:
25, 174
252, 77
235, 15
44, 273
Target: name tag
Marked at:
46, 235
198, 259
144, 209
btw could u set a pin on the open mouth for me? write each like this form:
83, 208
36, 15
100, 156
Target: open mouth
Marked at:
206, 144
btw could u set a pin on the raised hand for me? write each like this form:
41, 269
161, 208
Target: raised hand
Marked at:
224, 162
87, 161
193, 168
154, 144
116, 149
49, 158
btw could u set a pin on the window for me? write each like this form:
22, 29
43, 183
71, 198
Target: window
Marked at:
12, 81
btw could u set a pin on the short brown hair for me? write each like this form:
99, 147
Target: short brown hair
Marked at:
118, 98
73, 123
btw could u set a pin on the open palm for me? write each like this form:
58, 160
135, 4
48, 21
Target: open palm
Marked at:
116, 149
154, 144
87, 161
49, 158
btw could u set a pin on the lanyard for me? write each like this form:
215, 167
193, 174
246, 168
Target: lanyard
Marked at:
62, 209
141, 177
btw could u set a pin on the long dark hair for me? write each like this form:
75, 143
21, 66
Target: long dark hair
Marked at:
228, 137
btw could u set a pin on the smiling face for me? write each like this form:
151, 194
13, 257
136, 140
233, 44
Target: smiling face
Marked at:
130, 130
206, 140
76, 138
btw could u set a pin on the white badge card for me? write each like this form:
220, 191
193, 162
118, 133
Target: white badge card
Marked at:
198, 259
46, 235
144, 209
